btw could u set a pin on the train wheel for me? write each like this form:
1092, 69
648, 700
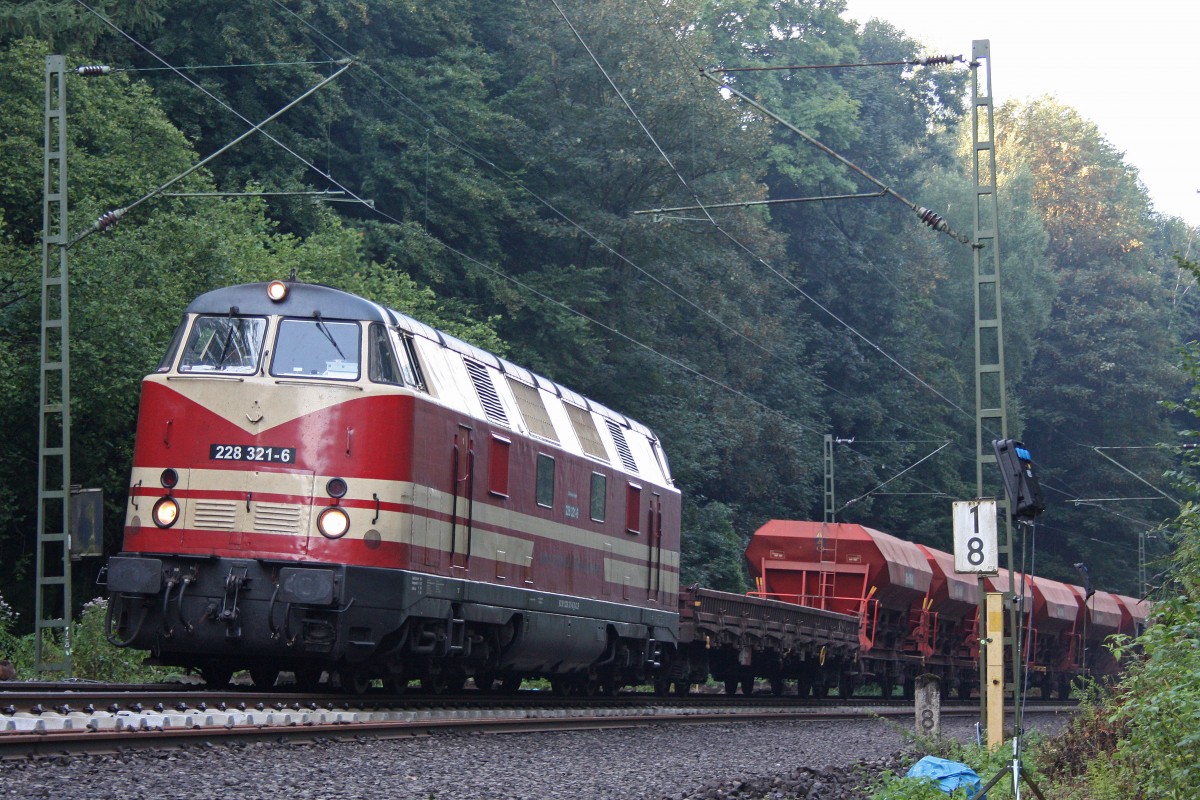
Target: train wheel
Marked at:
846, 686
308, 679
662, 687
355, 681
510, 684
887, 687
395, 683
682, 688
264, 677
777, 686
216, 675
731, 685
748, 686
485, 683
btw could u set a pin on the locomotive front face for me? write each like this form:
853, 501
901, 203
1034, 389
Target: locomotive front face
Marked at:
234, 458
305, 491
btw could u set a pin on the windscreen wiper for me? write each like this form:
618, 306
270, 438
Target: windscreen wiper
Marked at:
321, 327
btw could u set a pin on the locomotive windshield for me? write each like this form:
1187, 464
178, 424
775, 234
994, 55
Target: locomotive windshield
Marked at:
225, 344
314, 348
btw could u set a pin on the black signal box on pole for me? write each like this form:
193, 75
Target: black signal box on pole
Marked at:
1020, 479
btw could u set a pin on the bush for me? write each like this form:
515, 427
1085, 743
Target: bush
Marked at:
17, 650
92, 657
1079, 762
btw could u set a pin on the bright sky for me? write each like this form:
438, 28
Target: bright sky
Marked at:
1131, 67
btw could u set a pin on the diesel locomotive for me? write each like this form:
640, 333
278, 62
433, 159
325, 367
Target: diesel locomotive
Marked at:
324, 486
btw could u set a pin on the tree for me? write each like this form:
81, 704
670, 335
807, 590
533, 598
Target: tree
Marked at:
130, 284
1108, 355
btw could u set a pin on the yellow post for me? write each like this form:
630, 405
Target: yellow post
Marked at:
995, 669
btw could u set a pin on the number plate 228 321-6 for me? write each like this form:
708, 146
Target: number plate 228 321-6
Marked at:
251, 452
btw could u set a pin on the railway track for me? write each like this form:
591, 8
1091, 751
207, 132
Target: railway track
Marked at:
35, 721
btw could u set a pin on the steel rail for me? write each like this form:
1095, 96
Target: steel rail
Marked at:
312, 726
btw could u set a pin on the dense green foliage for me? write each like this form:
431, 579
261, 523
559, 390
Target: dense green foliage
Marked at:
506, 148
92, 657
1160, 695
1139, 740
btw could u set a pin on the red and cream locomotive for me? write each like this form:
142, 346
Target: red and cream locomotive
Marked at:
322, 484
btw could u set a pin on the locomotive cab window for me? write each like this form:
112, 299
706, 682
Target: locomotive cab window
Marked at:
169, 357
224, 344
315, 348
384, 367
409, 364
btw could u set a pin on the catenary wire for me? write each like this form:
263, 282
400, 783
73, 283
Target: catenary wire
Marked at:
457, 142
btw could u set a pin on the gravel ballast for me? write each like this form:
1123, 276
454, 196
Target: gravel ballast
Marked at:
809, 760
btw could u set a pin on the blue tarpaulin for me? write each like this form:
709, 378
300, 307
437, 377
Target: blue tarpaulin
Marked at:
948, 775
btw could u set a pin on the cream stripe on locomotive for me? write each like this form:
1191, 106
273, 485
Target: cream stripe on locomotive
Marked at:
272, 408
418, 529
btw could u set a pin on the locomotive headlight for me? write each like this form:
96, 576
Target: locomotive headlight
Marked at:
333, 523
165, 512
277, 290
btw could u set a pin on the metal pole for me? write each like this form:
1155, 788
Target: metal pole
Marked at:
991, 416
829, 504
52, 604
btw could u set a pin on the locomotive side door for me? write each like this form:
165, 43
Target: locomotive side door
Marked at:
462, 512
654, 542
425, 530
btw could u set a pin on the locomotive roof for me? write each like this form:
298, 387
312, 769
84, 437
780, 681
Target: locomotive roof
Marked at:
303, 300
313, 299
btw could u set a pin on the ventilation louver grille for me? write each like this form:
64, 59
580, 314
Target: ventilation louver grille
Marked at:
487, 393
622, 445
529, 400
214, 515
276, 518
585, 429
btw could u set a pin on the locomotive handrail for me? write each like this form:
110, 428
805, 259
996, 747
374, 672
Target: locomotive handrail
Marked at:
470, 501
209, 376
454, 481
325, 384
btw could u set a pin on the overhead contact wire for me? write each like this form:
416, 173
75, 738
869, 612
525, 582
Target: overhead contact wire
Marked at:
219, 101
734, 239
